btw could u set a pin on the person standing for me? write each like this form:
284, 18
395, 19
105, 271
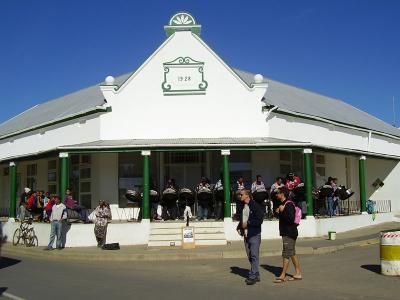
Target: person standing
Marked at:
289, 233
103, 215
252, 239
58, 215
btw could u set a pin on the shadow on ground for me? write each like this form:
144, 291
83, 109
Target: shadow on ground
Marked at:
272, 269
373, 268
2, 290
240, 271
8, 262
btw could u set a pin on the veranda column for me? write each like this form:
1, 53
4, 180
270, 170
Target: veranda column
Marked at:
361, 178
13, 190
227, 183
308, 181
146, 186
63, 174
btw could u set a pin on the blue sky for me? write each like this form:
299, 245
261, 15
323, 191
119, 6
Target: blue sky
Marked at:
345, 49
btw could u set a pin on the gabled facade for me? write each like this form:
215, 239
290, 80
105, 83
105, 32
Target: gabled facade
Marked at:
185, 98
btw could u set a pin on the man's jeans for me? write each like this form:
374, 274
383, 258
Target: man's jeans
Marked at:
56, 227
202, 213
330, 206
252, 246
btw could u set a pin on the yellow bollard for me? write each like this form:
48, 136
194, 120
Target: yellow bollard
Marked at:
390, 253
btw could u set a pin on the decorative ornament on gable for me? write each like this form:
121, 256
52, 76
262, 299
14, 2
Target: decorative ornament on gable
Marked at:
182, 21
184, 76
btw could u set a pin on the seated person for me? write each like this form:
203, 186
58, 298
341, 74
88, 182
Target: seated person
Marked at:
292, 181
169, 198
258, 185
38, 206
204, 197
23, 212
70, 203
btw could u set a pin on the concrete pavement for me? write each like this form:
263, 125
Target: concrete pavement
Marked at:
310, 246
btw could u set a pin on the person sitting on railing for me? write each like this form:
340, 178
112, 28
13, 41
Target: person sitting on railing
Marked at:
336, 200
72, 204
204, 195
48, 208
291, 182
260, 195
23, 213
330, 196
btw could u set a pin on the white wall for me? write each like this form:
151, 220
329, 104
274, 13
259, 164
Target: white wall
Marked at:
228, 109
389, 172
71, 132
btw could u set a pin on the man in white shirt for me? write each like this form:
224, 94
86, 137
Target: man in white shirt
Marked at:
58, 215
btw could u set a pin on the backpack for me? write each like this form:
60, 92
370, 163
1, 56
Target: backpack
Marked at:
297, 214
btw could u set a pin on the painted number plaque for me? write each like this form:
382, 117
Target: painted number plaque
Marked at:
184, 76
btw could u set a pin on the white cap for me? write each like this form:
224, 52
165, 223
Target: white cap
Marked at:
110, 80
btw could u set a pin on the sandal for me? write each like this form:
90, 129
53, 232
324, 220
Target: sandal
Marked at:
295, 278
279, 280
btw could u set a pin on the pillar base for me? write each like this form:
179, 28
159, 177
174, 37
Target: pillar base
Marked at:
11, 220
145, 221
364, 213
310, 218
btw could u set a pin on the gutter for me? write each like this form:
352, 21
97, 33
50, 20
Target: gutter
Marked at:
301, 115
60, 120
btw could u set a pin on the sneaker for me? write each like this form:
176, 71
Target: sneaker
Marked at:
251, 281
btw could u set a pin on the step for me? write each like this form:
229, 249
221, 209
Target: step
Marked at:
198, 236
163, 243
179, 243
179, 230
183, 224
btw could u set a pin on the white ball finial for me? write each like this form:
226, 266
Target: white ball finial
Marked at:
258, 78
110, 80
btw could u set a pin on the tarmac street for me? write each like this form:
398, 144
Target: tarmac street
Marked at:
352, 273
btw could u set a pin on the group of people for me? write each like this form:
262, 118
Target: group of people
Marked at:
178, 203
251, 219
38, 205
58, 217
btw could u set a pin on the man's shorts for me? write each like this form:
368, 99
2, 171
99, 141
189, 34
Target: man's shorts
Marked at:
289, 246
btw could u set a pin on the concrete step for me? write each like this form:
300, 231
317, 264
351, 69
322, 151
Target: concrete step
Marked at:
164, 243
179, 243
182, 224
176, 237
179, 230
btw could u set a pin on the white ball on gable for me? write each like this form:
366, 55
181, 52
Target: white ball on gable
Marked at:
258, 78
110, 80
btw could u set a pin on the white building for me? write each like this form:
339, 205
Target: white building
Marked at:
186, 109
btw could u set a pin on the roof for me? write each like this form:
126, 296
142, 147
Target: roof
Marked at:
185, 142
278, 94
59, 108
298, 100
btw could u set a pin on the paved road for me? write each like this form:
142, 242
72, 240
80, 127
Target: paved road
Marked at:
348, 274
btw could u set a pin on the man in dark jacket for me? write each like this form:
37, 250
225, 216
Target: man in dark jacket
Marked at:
251, 228
289, 233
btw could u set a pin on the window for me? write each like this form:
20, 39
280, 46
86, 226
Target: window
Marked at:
320, 170
80, 179
31, 176
52, 176
291, 162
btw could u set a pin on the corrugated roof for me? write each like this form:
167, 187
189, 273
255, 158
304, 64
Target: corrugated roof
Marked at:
302, 101
203, 142
59, 108
278, 94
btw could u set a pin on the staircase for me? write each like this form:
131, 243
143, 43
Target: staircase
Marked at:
170, 233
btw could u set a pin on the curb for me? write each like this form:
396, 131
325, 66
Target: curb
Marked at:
165, 256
